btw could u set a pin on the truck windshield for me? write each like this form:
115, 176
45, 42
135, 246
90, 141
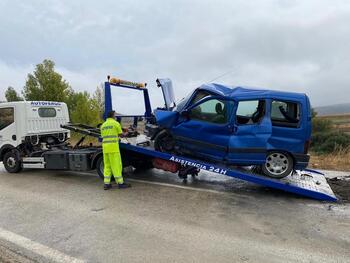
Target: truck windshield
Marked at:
6, 117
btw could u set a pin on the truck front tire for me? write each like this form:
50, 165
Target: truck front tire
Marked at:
12, 162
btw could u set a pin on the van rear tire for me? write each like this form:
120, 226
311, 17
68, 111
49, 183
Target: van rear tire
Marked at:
278, 165
12, 162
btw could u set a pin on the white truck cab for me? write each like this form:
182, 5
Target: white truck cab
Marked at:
31, 125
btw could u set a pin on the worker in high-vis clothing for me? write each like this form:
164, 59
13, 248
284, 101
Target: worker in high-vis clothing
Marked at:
110, 132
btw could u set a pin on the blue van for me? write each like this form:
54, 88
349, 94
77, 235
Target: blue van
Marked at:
239, 126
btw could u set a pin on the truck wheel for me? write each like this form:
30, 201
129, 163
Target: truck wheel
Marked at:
100, 167
278, 165
164, 142
12, 162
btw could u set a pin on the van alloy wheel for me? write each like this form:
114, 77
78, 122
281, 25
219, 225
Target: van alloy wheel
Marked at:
278, 165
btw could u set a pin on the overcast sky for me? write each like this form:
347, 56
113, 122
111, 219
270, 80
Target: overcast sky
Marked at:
301, 46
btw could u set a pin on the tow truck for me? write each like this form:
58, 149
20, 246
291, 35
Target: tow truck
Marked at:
48, 149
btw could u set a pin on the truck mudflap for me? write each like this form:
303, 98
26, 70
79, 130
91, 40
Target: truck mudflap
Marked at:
309, 183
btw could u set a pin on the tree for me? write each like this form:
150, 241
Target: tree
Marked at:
12, 95
98, 100
83, 109
46, 84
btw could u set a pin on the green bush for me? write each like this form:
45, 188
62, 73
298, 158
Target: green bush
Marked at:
321, 125
328, 142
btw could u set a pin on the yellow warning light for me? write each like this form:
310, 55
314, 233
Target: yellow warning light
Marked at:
126, 83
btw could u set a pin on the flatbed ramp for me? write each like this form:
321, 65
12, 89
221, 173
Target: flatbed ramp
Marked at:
307, 183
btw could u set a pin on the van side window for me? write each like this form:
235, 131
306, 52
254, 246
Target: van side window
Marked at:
213, 111
47, 112
250, 111
285, 114
7, 117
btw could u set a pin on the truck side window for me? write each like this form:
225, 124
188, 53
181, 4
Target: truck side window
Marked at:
7, 117
285, 114
47, 112
250, 111
213, 111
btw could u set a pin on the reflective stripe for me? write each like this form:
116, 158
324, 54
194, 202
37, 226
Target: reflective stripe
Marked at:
107, 127
107, 177
109, 136
110, 141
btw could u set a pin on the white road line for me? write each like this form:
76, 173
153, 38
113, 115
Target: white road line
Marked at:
44, 251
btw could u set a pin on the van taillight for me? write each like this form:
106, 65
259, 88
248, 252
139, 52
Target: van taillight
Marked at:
307, 146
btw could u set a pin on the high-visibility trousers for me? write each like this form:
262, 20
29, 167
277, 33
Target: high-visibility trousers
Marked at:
112, 167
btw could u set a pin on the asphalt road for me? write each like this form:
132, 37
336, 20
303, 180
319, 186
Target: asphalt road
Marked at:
62, 216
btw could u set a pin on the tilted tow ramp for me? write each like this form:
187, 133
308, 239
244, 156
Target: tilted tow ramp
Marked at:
307, 183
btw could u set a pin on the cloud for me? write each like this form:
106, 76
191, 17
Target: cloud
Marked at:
12, 75
289, 45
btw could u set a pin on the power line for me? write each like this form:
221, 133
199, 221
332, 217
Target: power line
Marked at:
222, 75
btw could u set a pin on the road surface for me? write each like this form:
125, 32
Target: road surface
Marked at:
66, 217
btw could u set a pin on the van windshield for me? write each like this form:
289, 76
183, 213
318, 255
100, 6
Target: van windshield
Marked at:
181, 104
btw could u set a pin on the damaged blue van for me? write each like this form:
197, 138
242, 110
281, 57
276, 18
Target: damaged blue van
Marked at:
239, 126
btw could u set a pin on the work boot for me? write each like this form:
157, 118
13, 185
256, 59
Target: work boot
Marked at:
124, 185
107, 186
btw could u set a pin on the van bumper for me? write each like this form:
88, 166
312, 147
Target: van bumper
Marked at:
301, 160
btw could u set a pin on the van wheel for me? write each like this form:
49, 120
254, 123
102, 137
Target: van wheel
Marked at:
164, 142
278, 165
12, 162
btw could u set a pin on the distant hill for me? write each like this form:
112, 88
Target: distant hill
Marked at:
333, 109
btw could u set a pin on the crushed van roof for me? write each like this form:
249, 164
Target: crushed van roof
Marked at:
249, 93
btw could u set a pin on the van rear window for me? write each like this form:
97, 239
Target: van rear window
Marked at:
285, 114
47, 112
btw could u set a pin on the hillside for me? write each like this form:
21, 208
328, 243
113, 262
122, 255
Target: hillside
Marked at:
341, 122
335, 109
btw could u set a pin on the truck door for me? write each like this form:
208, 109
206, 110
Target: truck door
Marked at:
203, 129
252, 130
7, 126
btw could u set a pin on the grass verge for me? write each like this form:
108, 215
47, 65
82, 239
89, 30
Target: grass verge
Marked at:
338, 160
